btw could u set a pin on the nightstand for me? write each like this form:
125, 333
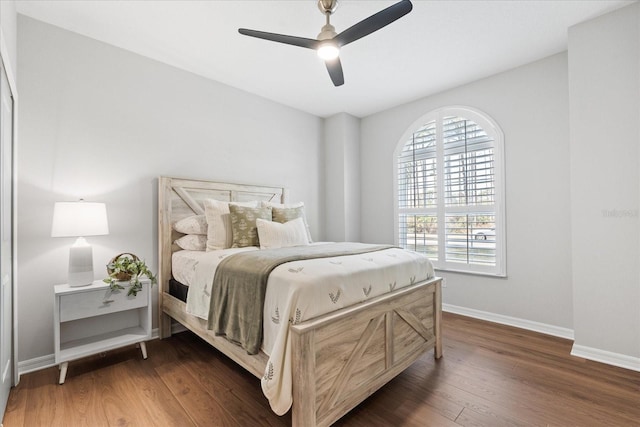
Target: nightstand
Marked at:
93, 319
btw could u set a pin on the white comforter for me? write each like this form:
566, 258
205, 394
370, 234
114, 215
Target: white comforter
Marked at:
301, 290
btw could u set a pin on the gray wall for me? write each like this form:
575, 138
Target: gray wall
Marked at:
604, 86
102, 123
342, 178
531, 106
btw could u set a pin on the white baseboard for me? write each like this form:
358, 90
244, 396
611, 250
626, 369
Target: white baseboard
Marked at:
49, 360
543, 328
36, 364
615, 359
597, 355
603, 356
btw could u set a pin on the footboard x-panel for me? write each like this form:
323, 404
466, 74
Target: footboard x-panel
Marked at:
353, 357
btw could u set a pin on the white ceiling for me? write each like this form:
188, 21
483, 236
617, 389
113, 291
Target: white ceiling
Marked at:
439, 45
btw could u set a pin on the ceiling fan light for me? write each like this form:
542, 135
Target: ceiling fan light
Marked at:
328, 51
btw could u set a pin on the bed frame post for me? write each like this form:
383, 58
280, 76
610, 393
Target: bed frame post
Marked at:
164, 252
303, 412
437, 304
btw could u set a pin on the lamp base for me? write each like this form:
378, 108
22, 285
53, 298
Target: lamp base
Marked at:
80, 279
80, 263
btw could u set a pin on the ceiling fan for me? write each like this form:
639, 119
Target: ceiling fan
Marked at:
328, 43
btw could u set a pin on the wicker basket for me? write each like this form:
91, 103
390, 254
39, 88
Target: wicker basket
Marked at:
123, 277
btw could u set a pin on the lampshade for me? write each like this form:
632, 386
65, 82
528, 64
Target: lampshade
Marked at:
75, 219
79, 219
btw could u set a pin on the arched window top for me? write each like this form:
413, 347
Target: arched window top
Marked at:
426, 123
449, 190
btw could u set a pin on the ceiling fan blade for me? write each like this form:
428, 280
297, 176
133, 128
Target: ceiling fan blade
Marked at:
281, 38
335, 71
374, 22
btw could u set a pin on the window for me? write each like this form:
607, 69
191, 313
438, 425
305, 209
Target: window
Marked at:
450, 191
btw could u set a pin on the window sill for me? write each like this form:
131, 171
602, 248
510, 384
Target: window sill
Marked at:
472, 273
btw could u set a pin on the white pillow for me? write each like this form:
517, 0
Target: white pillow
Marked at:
219, 231
275, 235
292, 206
194, 224
192, 242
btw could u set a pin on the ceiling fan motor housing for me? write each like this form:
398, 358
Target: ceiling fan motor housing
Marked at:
328, 32
327, 6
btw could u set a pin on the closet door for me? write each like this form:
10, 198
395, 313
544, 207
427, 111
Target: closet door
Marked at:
6, 239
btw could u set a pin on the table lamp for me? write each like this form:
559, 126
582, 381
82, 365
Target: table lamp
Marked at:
80, 219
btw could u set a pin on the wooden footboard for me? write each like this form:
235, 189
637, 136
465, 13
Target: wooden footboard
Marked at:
342, 358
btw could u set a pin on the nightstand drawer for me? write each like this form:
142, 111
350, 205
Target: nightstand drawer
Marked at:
100, 301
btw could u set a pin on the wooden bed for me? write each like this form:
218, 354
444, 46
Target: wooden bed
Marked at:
340, 358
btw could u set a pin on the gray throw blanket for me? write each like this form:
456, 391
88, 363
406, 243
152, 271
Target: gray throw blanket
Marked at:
240, 283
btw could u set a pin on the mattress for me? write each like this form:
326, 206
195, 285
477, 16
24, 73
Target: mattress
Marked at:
195, 269
301, 290
178, 290
186, 266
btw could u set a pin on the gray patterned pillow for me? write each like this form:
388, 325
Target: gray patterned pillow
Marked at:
243, 224
283, 215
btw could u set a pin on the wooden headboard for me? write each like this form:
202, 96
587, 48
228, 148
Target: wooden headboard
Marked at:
179, 198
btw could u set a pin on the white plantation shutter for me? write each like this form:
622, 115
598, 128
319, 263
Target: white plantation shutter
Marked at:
450, 191
417, 195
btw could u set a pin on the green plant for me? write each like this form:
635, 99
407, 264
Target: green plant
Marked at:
128, 267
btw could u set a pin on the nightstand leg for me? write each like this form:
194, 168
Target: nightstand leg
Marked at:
143, 347
63, 371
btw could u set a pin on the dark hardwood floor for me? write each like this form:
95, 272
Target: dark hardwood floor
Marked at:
490, 375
